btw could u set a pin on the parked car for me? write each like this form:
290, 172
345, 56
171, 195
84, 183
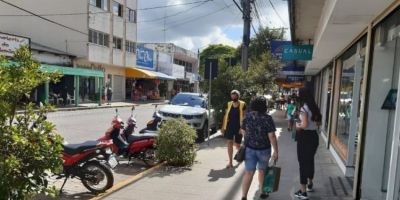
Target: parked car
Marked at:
193, 107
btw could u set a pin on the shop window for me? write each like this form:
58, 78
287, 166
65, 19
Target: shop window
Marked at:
345, 138
385, 78
117, 43
131, 15
117, 9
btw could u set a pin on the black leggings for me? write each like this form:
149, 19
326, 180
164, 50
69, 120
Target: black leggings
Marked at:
307, 145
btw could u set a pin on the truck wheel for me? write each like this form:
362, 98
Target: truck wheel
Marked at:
202, 134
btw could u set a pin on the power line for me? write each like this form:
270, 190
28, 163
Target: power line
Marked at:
175, 14
173, 5
277, 13
45, 15
46, 19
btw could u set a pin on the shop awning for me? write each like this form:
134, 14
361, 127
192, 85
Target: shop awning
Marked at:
146, 74
163, 76
65, 70
72, 71
139, 73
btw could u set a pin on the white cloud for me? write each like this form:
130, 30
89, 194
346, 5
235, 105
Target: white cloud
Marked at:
197, 25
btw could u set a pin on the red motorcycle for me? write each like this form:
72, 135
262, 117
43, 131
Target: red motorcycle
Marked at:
91, 162
133, 146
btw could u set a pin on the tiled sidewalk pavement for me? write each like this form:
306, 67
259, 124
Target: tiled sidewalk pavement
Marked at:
208, 179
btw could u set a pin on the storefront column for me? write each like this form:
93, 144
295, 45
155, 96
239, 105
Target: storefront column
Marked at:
100, 88
76, 86
360, 145
46, 92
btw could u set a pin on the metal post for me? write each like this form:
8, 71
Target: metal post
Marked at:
46, 92
100, 85
209, 104
76, 90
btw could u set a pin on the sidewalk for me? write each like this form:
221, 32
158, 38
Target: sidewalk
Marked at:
208, 178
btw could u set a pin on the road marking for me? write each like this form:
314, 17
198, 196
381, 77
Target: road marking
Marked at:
127, 182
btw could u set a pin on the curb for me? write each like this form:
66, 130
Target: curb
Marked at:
128, 181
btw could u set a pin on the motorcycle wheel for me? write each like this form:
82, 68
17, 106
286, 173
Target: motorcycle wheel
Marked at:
97, 177
149, 157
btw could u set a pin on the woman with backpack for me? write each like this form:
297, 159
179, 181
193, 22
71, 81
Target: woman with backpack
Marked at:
307, 140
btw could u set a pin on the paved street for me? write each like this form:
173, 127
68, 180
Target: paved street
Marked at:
82, 125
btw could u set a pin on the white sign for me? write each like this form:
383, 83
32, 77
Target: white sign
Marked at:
10, 43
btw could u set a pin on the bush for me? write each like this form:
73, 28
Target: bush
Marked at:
176, 143
28, 154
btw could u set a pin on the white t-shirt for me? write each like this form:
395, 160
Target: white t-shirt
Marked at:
311, 124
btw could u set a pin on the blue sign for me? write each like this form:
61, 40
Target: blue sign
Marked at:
277, 47
295, 78
294, 68
144, 57
297, 52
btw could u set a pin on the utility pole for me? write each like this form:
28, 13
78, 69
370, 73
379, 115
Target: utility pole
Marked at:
246, 7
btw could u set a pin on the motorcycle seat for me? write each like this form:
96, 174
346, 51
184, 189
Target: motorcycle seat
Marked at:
72, 149
136, 137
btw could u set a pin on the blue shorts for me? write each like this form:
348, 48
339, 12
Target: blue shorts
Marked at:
257, 159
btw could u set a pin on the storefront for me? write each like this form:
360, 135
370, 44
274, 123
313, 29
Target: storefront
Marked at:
68, 90
356, 88
144, 84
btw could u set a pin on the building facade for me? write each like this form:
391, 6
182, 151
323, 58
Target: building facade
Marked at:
100, 34
355, 68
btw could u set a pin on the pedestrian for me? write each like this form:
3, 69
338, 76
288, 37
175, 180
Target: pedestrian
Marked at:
307, 140
233, 118
290, 111
109, 95
259, 134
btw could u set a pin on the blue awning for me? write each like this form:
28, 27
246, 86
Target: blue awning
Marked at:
163, 76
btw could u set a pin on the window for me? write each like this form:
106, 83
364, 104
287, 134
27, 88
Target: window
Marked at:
131, 15
117, 43
189, 67
99, 38
102, 4
130, 46
117, 9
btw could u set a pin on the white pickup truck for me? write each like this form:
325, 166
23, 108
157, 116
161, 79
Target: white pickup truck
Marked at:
193, 108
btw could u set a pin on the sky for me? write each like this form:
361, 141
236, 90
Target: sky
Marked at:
199, 23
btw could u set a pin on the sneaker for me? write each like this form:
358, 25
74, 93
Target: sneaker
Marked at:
301, 195
244, 198
263, 196
310, 187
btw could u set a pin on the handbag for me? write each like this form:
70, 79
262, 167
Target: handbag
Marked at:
241, 154
271, 179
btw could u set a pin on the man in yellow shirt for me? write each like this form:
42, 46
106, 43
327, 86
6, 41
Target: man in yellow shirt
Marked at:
233, 118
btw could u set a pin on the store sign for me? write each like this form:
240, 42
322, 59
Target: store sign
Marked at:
178, 71
295, 78
144, 58
11, 43
292, 69
297, 52
277, 47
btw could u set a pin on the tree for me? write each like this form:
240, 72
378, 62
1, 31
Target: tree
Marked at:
261, 43
29, 148
218, 51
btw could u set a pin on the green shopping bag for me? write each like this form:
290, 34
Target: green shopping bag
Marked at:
271, 179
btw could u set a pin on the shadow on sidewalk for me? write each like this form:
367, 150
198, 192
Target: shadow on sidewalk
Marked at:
215, 175
170, 171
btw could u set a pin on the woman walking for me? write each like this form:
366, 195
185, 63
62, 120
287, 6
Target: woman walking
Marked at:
233, 118
307, 141
259, 133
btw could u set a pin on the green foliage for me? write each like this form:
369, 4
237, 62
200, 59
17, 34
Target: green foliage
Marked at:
219, 51
176, 143
28, 153
258, 79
